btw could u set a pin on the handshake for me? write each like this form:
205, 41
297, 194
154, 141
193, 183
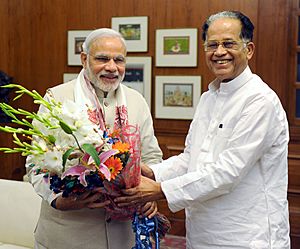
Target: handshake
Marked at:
147, 191
143, 196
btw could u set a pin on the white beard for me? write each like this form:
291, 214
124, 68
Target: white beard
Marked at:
99, 83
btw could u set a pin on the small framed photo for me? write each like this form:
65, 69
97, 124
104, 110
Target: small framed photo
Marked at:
138, 75
134, 30
176, 97
75, 40
176, 47
69, 76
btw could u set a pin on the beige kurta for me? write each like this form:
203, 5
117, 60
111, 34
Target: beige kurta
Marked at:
88, 228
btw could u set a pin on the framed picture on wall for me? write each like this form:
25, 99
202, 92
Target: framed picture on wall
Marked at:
69, 76
138, 76
176, 97
75, 41
134, 30
176, 47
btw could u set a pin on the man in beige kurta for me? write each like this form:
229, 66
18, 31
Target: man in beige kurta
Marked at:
68, 223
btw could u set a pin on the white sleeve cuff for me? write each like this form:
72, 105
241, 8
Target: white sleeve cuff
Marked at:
174, 194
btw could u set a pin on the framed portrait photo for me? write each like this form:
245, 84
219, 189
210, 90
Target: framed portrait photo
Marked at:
176, 97
176, 47
138, 76
75, 40
134, 30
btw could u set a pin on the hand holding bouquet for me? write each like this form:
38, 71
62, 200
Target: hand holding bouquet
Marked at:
70, 150
65, 144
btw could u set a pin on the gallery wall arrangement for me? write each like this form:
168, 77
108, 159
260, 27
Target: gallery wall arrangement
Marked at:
176, 97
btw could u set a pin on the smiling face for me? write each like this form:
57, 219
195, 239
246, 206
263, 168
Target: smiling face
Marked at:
226, 64
105, 75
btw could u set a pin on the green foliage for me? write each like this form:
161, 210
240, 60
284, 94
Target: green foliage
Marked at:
88, 148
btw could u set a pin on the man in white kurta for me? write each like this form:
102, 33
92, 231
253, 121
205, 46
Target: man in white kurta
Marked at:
231, 178
67, 223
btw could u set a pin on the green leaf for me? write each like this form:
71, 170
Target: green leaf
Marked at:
51, 139
18, 96
66, 156
6, 150
88, 148
67, 129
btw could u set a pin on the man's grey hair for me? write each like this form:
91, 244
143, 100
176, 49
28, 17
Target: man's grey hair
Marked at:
222, 14
99, 33
247, 26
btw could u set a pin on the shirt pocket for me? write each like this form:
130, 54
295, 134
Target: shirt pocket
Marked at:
220, 142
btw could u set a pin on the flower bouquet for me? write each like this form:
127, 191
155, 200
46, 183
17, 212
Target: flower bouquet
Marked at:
70, 149
65, 144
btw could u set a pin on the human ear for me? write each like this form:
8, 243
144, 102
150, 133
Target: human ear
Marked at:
83, 58
250, 47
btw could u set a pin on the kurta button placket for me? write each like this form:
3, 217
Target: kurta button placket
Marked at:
214, 123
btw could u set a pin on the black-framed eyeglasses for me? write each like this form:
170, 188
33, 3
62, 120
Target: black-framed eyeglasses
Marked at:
212, 46
103, 59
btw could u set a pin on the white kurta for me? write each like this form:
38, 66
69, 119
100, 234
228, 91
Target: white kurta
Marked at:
87, 228
232, 176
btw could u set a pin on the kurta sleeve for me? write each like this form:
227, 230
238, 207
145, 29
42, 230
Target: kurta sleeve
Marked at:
259, 126
176, 165
37, 181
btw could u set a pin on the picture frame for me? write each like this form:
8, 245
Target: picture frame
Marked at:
134, 30
69, 76
138, 75
176, 97
75, 41
176, 47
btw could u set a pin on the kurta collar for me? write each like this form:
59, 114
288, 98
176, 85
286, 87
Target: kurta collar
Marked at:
233, 85
101, 94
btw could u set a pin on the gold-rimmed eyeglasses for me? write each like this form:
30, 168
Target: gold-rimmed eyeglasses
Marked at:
212, 46
103, 59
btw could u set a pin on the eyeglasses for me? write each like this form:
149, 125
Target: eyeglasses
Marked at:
103, 59
212, 46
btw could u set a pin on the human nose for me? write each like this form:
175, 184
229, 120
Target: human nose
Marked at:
111, 65
220, 49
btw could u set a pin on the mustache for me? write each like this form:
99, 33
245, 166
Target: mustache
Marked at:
108, 74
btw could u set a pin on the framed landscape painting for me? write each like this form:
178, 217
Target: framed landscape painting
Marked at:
176, 47
134, 30
176, 97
